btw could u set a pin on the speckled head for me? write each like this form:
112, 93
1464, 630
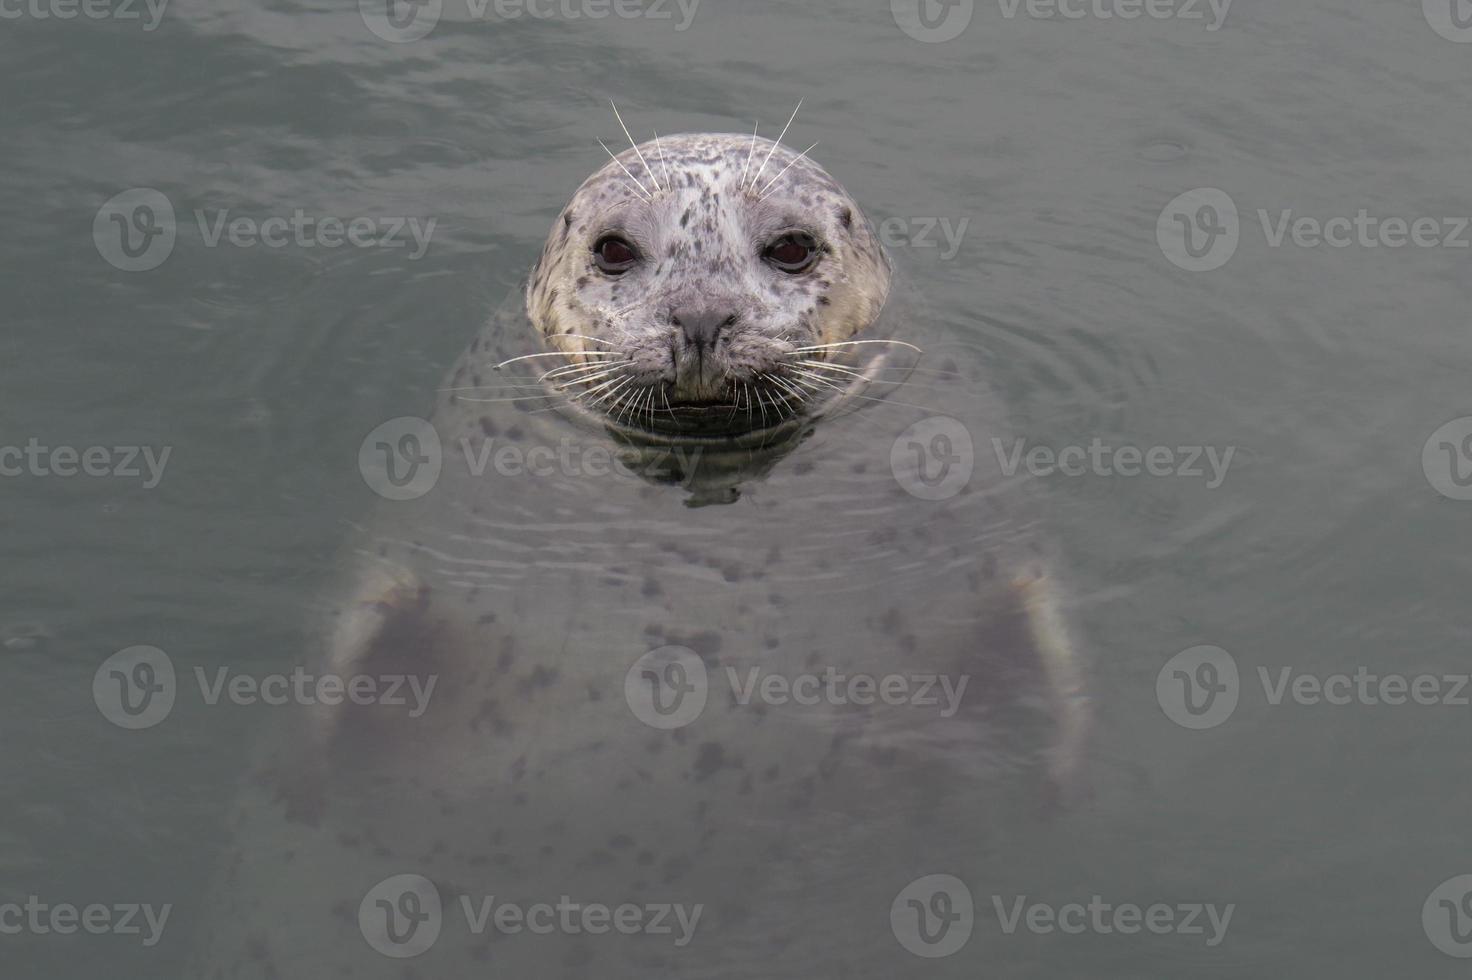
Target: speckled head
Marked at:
690, 278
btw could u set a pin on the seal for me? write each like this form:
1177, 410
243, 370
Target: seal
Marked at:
664, 740
703, 297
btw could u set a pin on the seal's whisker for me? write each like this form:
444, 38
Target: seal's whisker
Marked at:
865, 379
619, 116
850, 393
626, 404
530, 383
649, 406
668, 183
791, 389
576, 369
518, 398
826, 366
750, 156
786, 398
766, 191
776, 144
852, 343
570, 383
585, 378
584, 366
648, 197
549, 353
614, 383
818, 380
596, 340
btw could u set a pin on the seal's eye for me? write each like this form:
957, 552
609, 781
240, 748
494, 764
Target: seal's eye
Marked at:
793, 253
614, 255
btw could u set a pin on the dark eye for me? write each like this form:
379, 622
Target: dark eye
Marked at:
614, 255
794, 252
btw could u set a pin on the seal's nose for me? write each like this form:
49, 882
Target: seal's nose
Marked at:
702, 328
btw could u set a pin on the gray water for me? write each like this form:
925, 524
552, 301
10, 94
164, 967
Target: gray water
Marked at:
1052, 148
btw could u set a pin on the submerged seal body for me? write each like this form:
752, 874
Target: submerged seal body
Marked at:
664, 740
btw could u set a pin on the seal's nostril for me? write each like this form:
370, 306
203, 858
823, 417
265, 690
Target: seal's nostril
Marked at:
702, 328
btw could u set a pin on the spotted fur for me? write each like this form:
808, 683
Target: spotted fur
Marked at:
700, 209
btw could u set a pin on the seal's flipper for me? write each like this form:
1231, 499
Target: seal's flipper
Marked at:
379, 622
1062, 678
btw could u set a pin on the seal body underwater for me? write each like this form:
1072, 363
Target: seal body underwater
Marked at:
663, 739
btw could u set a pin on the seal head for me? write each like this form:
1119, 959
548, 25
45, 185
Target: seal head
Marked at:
697, 282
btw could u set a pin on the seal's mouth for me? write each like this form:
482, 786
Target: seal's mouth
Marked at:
741, 411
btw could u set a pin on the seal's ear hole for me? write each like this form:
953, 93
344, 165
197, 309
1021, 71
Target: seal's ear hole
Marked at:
846, 215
